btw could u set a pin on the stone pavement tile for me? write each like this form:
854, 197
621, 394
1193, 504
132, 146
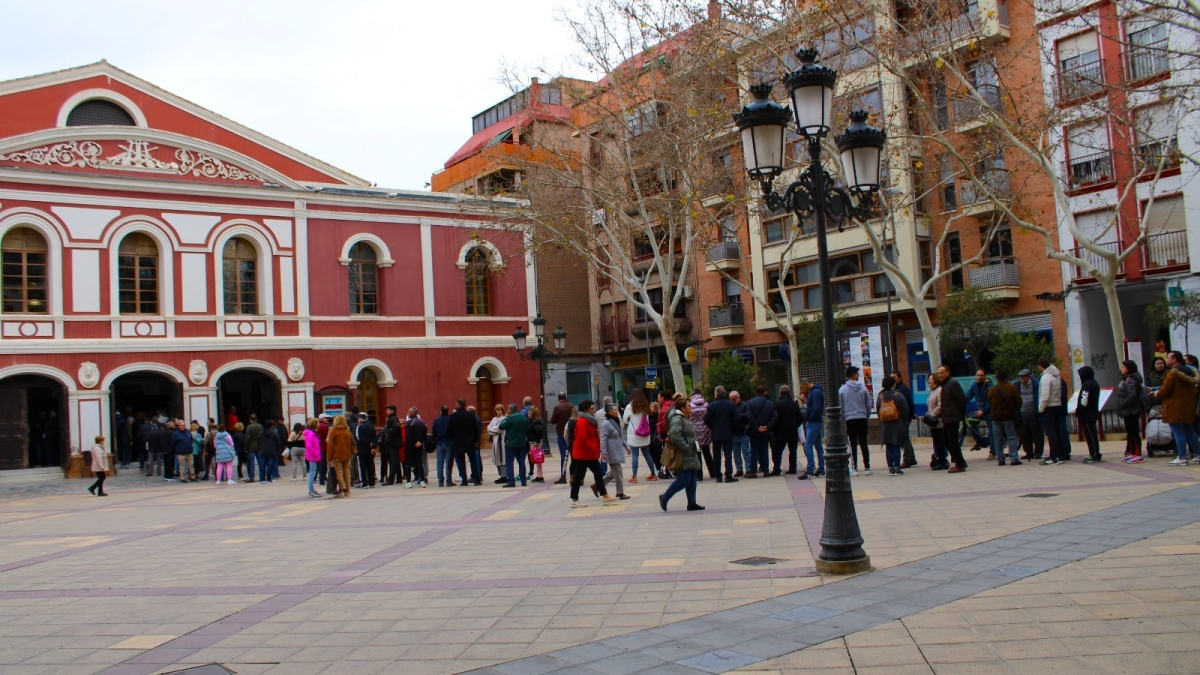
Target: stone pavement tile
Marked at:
1142, 664
892, 655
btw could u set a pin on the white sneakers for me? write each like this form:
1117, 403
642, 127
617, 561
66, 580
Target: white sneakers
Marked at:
853, 471
233, 482
1178, 461
576, 504
609, 500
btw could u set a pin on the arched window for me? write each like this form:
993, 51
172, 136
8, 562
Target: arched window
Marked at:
137, 274
364, 277
368, 394
98, 112
479, 282
240, 278
24, 253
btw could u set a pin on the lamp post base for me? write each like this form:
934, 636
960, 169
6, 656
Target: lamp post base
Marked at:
844, 567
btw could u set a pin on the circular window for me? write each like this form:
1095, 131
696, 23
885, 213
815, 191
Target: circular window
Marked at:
99, 112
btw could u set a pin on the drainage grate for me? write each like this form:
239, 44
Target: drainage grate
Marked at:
208, 669
1040, 495
758, 561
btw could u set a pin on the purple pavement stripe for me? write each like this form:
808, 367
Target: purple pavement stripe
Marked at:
810, 506
1144, 472
169, 653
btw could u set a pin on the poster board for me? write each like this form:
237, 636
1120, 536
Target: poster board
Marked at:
1105, 398
864, 347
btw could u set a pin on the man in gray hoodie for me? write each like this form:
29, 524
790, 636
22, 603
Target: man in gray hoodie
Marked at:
856, 407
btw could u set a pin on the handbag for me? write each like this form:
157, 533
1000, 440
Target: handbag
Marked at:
929, 420
536, 455
672, 458
643, 427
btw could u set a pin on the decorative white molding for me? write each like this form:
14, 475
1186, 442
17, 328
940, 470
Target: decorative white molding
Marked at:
382, 254
239, 328
295, 369
248, 364
89, 375
383, 373
495, 259
27, 330
143, 329
498, 374
198, 372
144, 367
258, 344
44, 371
139, 118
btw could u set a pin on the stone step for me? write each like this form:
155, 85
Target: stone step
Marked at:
41, 475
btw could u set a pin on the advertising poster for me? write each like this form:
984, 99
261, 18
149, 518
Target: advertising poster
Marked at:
864, 347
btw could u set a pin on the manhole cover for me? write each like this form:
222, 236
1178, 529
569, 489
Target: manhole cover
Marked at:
1040, 495
757, 561
207, 669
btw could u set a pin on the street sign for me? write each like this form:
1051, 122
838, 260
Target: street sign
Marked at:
651, 372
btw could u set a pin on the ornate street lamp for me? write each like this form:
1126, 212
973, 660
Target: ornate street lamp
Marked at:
540, 351
815, 195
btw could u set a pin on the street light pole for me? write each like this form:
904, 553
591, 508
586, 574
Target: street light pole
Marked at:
762, 125
540, 352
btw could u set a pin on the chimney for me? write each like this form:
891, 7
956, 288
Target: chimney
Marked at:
714, 10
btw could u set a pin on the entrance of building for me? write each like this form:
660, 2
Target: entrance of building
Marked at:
147, 394
33, 430
251, 392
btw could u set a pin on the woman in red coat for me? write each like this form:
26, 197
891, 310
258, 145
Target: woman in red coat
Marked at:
585, 455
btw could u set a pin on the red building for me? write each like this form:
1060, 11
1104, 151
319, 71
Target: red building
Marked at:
160, 257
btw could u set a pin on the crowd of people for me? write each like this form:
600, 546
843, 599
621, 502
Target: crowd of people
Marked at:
678, 436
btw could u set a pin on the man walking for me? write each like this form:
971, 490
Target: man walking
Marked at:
1005, 403
559, 418
787, 431
910, 455
393, 437
720, 418
856, 406
741, 442
464, 439
762, 425
1030, 431
814, 425
253, 431
1051, 408
954, 411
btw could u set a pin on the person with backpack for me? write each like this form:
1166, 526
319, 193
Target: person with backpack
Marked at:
1087, 411
762, 417
638, 433
720, 418
682, 436
893, 418
1131, 395
1005, 402
536, 435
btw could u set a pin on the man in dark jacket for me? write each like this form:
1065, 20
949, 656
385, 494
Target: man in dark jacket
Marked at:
464, 438
741, 442
181, 447
393, 439
720, 418
814, 425
787, 431
954, 411
269, 450
1005, 402
416, 436
161, 449
1087, 410
364, 439
910, 455
762, 423
439, 438
979, 393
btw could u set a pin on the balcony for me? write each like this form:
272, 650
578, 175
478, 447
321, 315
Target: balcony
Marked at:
986, 23
724, 255
614, 333
1146, 61
998, 279
1089, 170
1165, 252
726, 320
1150, 155
1080, 81
645, 329
970, 115
1082, 275
645, 262
977, 199
849, 291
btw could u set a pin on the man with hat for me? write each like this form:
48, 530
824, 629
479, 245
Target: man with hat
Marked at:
364, 439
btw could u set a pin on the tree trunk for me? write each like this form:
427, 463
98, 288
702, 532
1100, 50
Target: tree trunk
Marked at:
1109, 286
666, 327
794, 348
932, 343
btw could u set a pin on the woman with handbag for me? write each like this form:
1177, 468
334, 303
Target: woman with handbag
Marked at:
933, 420
536, 435
681, 451
656, 444
496, 436
639, 432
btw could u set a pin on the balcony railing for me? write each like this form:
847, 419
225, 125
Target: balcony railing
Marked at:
1089, 170
726, 316
724, 250
1095, 260
644, 328
968, 110
1149, 155
1148, 60
614, 331
994, 274
997, 183
847, 291
1168, 249
1081, 80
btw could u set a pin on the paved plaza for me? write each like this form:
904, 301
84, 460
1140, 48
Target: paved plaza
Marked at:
1047, 569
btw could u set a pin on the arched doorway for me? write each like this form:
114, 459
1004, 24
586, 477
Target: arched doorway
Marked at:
251, 392
33, 431
369, 395
484, 394
145, 394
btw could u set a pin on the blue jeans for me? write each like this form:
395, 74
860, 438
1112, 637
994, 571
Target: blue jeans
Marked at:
993, 446
812, 441
445, 467
252, 460
760, 454
686, 481
892, 452
562, 454
476, 466
649, 459
268, 466
1185, 439
1005, 431
741, 452
312, 476
517, 455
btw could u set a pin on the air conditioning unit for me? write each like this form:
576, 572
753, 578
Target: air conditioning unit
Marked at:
688, 292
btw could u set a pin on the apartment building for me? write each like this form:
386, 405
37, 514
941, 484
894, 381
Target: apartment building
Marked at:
1119, 80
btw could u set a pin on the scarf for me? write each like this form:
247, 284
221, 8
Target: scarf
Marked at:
589, 417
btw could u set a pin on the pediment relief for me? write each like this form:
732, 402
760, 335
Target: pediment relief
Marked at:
131, 154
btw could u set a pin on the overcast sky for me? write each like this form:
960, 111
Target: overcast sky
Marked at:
384, 90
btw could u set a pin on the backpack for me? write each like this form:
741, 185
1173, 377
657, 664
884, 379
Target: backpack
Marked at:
888, 410
643, 427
